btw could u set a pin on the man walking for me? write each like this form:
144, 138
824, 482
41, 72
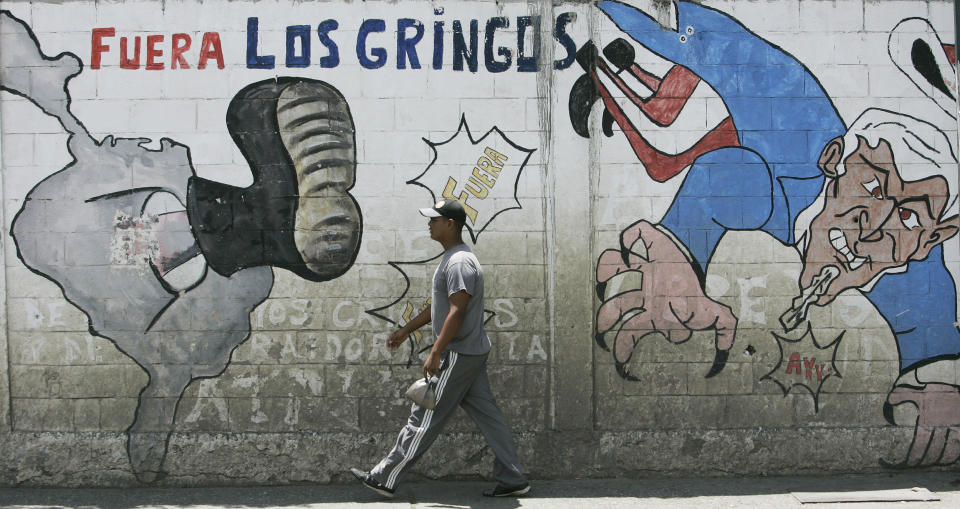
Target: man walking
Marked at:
459, 358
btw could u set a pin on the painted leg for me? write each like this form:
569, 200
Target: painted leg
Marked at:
670, 93
177, 260
676, 89
661, 166
149, 434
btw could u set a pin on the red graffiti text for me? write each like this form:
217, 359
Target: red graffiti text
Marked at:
805, 365
153, 50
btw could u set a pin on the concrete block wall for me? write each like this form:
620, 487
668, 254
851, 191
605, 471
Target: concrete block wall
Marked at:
146, 339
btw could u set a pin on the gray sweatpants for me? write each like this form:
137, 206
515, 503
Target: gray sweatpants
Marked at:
462, 381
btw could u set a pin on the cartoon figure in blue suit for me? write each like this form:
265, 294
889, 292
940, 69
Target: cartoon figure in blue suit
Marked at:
868, 207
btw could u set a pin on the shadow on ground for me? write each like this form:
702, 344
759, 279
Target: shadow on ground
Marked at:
741, 492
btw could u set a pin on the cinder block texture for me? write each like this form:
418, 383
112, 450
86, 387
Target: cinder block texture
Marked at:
717, 237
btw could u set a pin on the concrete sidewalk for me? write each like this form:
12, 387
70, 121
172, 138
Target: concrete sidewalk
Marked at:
765, 493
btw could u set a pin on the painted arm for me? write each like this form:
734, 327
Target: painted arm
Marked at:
726, 189
753, 77
686, 37
920, 305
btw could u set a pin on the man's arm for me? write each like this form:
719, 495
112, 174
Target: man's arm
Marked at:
451, 326
920, 306
400, 335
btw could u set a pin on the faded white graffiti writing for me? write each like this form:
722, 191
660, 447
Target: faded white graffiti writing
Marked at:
280, 312
534, 351
349, 314
36, 318
751, 308
505, 316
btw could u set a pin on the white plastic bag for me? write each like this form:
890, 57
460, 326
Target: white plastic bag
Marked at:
422, 393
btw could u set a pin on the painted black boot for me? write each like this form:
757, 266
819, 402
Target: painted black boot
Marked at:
298, 137
584, 91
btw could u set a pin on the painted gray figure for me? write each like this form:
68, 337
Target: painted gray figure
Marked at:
135, 240
458, 359
110, 229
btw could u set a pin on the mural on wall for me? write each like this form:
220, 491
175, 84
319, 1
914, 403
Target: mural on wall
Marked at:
662, 107
455, 175
467, 170
807, 360
868, 205
730, 137
167, 265
298, 137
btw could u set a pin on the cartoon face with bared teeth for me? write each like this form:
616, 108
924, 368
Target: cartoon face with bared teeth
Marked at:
873, 220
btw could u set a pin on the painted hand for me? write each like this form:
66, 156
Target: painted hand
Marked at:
936, 438
657, 292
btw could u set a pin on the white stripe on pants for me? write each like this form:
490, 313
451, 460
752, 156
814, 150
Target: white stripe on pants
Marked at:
414, 450
463, 382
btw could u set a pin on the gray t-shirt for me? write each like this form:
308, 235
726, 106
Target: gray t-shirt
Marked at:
458, 270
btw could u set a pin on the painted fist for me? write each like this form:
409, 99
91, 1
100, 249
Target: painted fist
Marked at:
936, 436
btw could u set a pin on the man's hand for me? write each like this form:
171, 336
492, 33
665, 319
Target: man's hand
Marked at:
432, 365
400, 335
396, 339
668, 301
936, 438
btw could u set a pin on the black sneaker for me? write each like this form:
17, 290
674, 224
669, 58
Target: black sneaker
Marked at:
372, 483
502, 490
